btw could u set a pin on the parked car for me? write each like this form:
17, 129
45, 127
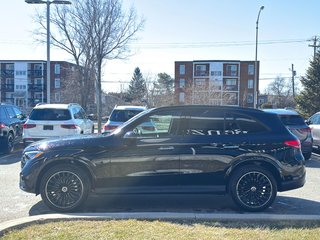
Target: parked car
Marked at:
119, 115
56, 120
314, 124
245, 152
11, 121
296, 124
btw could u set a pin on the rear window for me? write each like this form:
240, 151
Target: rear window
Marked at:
123, 115
292, 120
50, 114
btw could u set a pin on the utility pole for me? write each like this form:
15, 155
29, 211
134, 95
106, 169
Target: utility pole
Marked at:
315, 40
293, 75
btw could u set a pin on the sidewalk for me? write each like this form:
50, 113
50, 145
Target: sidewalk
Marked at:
300, 220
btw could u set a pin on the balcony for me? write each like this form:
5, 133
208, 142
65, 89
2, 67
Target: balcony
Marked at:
201, 73
36, 87
36, 73
7, 73
7, 87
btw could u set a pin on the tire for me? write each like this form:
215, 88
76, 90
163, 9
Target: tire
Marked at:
64, 188
9, 144
252, 188
307, 155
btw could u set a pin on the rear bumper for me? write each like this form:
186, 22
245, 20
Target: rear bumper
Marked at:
294, 183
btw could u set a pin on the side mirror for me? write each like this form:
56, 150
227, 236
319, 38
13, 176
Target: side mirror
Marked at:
130, 135
308, 122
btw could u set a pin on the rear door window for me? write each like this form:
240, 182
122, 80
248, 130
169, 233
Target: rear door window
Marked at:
50, 114
205, 122
242, 124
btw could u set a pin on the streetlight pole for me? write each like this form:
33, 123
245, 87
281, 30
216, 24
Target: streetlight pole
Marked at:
255, 102
48, 2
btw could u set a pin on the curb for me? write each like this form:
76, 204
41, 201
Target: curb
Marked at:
300, 220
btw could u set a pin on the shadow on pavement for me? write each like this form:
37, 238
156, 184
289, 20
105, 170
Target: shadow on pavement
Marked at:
182, 203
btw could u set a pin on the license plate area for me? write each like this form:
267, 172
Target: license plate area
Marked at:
48, 127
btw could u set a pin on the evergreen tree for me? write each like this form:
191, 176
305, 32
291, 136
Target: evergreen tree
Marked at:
309, 98
164, 83
137, 88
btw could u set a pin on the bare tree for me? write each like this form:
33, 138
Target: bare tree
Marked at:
280, 93
94, 31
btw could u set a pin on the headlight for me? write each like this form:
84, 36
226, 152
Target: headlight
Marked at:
32, 154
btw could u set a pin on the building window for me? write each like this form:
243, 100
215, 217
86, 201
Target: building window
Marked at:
250, 83
215, 73
250, 69
38, 81
57, 83
182, 69
250, 98
200, 82
57, 97
201, 70
232, 70
182, 83
21, 73
57, 69
181, 97
9, 66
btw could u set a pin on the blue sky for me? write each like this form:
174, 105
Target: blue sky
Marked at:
177, 30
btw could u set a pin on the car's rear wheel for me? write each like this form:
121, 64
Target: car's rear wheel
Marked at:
253, 188
9, 143
307, 155
64, 188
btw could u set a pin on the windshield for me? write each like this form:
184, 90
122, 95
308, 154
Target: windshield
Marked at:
50, 114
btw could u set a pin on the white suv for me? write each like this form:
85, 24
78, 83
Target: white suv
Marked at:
56, 120
119, 115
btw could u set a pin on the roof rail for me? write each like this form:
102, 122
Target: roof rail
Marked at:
70, 104
38, 104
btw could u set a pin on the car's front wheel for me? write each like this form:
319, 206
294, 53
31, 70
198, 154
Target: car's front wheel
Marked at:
253, 188
64, 188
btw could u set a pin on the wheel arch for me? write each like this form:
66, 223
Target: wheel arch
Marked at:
263, 162
68, 161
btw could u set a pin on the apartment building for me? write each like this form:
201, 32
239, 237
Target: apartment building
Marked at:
24, 83
215, 82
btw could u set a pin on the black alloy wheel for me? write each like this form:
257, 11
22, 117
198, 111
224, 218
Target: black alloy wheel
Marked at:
9, 144
253, 188
64, 188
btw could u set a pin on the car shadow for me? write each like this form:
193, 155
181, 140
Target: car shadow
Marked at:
182, 203
313, 162
11, 158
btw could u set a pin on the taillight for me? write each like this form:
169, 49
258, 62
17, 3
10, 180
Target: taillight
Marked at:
27, 126
293, 143
2, 125
69, 126
109, 127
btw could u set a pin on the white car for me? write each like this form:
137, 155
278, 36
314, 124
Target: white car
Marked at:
56, 120
119, 115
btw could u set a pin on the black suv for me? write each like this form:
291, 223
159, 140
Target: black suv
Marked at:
11, 124
247, 153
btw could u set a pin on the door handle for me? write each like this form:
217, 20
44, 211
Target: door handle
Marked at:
166, 148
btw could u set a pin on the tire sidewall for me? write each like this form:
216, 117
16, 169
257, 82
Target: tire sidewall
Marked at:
70, 168
236, 176
9, 147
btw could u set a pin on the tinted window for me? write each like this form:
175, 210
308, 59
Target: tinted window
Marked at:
50, 114
162, 123
2, 113
242, 124
206, 123
123, 115
10, 112
292, 120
